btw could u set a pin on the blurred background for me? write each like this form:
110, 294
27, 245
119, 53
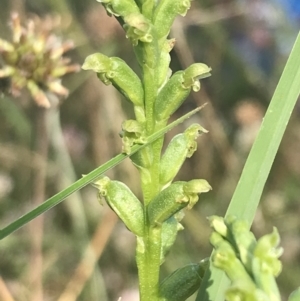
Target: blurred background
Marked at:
79, 250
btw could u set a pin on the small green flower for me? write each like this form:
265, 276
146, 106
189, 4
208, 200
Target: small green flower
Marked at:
33, 60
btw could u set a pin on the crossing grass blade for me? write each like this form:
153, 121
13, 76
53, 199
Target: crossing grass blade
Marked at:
92, 176
255, 173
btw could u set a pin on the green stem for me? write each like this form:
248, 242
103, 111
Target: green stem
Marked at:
149, 247
150, 96
148, 261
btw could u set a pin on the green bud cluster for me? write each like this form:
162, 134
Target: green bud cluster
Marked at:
34, 60
250, 264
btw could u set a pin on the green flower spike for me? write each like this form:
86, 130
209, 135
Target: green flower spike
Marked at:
124, 203
120, 7
174, 198
250, 265
182, 146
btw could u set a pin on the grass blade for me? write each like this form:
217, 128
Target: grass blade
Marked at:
249, 189
93, 175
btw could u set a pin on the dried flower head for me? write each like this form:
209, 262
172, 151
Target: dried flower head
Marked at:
34, 59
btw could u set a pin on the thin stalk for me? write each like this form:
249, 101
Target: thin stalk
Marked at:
38, 195
148, 249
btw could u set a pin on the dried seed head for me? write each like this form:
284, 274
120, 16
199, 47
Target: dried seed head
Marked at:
33, 60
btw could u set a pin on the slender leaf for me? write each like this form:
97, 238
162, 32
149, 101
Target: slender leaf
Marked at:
93, 175
255, 173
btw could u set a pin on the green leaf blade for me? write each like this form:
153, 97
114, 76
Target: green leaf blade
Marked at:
92, 176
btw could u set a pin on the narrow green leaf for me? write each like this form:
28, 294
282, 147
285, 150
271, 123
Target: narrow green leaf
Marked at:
255, 173
92, 176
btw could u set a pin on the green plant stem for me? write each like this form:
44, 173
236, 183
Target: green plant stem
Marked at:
150, 95
148, 261
148, 250
38, 194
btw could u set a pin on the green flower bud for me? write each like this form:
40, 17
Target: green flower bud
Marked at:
241, 290
244, 241
174, 198
182, 283
38, 94
169, 232
176, 90
170, 97
125, 204
266, 265
132, 133
116, 71
264, 280
138, 28
120, 7
182, 146
295, 295
192, 75
225, 259
268, 252
166, 12
218, 224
